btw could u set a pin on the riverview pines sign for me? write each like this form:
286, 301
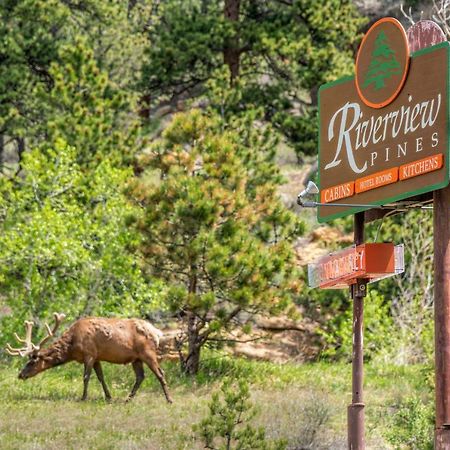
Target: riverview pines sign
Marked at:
384, 134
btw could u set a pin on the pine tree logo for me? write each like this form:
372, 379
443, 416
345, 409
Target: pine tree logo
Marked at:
383, 63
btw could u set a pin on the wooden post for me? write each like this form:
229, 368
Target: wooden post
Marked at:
355, 412
441, 217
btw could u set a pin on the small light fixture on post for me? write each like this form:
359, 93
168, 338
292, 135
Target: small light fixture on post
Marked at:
312, 189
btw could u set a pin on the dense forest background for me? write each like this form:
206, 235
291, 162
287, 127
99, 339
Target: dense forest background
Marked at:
150, 152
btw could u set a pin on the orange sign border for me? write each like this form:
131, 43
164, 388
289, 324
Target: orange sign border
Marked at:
405, 72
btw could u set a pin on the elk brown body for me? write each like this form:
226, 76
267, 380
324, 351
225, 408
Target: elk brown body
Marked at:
91, 340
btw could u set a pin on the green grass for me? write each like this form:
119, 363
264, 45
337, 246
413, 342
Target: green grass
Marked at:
45, 412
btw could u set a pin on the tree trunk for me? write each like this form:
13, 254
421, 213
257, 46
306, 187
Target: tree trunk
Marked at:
2, 151
131, 5
192, 361
231, 52
144, 106
20, 151
314, 93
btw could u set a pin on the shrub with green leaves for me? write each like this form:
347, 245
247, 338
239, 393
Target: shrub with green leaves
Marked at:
411, 293
412, 426
228, 424
377, 325
65, 244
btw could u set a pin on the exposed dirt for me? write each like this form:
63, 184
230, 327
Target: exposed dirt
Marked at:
277, 339
284, 340
319, 242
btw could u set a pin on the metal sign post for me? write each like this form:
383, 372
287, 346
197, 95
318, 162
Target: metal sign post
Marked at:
442, 315
356, 266
355, 412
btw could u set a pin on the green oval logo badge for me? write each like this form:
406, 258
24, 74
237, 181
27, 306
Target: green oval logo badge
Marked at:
382, 63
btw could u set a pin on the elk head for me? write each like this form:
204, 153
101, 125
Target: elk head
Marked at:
36, 354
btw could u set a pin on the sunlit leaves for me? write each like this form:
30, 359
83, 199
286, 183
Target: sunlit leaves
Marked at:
64, 243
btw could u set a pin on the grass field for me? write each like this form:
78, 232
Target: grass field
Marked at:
293, 401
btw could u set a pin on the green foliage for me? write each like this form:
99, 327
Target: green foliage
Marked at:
184, 45
215, 227
378, 324
28, 46
228, 424
87, 109
277, 55
67, 84
64, 243
33, 33
403, 304
410, 295
412, 426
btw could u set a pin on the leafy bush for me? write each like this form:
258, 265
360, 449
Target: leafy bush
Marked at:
412, 426
377, 325
64, 242
410, 294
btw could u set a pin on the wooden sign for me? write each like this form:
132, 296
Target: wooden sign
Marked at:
374, 156
367, 261
424, 33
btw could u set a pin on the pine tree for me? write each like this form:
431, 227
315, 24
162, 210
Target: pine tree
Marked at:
36, 36
228, 425
383, 63
215, 229
87, 109
275, 53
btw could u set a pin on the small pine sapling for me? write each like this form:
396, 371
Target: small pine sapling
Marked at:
228, 424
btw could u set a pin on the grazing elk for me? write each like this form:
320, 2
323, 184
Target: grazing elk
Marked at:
91, 340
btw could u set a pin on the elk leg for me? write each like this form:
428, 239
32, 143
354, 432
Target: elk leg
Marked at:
87, 374
99, 373
139, 371
152, 362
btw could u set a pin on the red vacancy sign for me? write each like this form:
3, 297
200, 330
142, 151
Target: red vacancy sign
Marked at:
375, 156
367, 261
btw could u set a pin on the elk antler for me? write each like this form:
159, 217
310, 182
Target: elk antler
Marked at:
29, 346
50, 333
